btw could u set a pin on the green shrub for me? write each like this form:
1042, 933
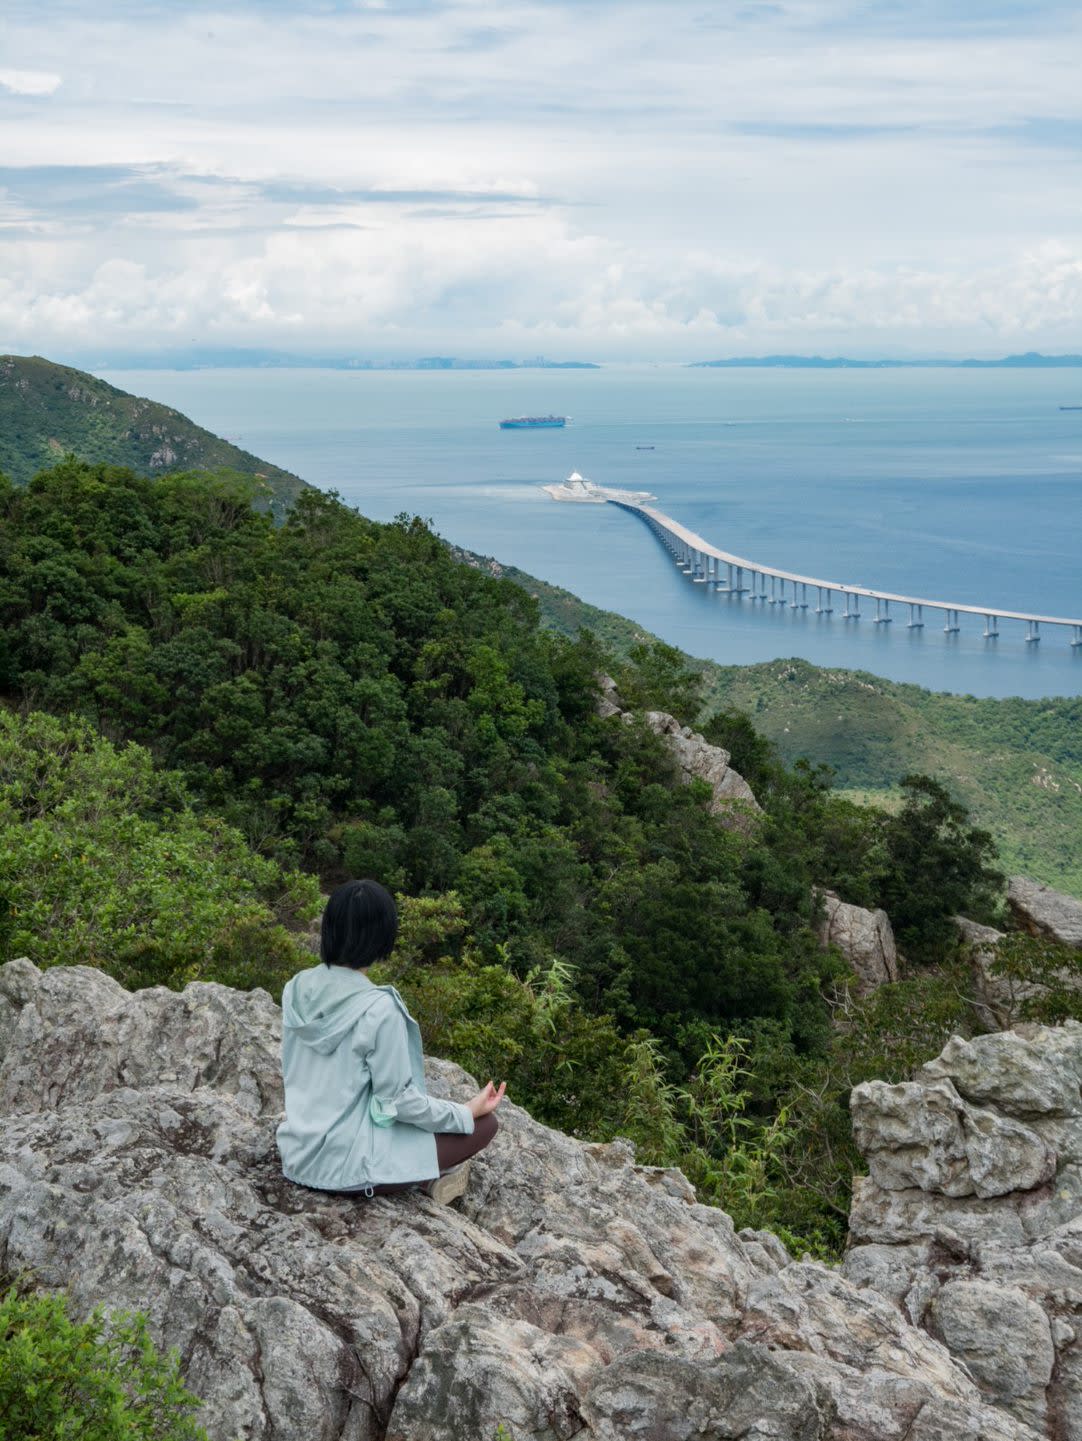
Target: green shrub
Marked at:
103, 861
96, 1380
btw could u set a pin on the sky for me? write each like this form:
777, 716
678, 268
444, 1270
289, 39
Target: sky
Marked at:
602, 179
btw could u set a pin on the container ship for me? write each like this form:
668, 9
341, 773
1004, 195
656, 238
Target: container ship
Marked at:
535, 422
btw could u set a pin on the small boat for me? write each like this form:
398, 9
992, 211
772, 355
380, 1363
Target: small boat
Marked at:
644, 447
535, 422
1071, 407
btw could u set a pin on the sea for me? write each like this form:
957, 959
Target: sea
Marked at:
960, 485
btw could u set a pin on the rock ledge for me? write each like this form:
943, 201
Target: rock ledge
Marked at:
575, 1294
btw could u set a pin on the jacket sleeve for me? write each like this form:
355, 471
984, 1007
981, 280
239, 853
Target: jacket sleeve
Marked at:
394, 1096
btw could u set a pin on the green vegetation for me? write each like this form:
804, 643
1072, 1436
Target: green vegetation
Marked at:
95, 1380
104, 862
1016, 765
241, 700
205, 717
48, 411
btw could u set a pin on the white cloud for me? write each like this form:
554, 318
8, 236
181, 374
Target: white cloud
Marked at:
621, 177
29, 82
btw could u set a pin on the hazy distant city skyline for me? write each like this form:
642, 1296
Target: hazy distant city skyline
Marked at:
587, 181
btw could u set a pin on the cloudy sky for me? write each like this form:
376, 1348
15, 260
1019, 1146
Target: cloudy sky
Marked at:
598, 179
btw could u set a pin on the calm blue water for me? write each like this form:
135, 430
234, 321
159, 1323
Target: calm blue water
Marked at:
961, 485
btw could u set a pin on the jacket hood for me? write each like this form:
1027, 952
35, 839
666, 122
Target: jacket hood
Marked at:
321, 1006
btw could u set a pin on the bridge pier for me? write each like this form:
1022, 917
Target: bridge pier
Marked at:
748, 578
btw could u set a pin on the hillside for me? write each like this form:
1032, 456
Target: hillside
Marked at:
48, 411
1016, 764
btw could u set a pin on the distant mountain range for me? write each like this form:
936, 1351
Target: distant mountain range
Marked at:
215, 359
1032, 360
48, 411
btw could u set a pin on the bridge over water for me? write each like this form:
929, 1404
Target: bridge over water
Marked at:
735, 575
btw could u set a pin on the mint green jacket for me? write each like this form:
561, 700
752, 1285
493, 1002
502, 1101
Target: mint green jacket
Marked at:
357, 1112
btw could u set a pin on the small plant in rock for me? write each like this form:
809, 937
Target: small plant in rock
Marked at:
101, 1379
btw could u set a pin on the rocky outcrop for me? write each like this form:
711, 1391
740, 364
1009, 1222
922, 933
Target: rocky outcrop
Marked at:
997, 999
732, 799
970, 1219
1001, 995
865, 939
700, 761
1041, 911
575, 1294
608, 698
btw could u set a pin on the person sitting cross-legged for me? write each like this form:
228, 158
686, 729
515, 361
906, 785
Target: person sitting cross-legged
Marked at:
358, 1117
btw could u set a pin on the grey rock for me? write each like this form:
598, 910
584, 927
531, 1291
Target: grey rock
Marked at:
748, 1394
1001, 1001
990, 1269
923, 1135
608, 697
574, 1293
733, 800
865, 938
1029, 1071
1004, 1339
1041, 911
998, 1000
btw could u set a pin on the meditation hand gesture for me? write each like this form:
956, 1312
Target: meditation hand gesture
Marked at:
486, 1100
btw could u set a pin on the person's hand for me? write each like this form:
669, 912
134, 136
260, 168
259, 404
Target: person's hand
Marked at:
486, 1100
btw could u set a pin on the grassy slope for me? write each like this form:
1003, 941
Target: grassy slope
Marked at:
49, 410
1017, 764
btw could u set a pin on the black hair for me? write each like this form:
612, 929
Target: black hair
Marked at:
360, 925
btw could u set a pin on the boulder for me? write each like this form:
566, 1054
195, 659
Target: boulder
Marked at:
997, 999
574, 1293
1041, 911
608, 697
732, 800
924, 1135
865, 939
970, 1220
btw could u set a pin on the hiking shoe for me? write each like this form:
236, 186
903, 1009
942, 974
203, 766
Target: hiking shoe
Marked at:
448, 1187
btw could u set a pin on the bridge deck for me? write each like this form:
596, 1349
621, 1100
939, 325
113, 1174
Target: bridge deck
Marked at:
697, 543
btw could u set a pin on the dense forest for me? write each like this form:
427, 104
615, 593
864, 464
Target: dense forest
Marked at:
209, 717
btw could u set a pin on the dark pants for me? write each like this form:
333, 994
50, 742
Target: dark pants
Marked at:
451, 1150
